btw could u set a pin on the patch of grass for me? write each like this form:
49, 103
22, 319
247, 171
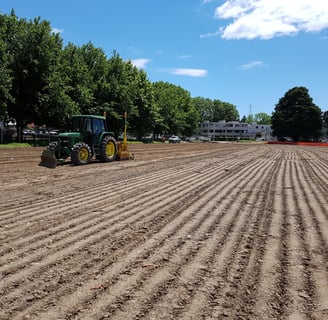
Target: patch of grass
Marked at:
131, 142
15, 145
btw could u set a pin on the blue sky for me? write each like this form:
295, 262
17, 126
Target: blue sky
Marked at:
248, 53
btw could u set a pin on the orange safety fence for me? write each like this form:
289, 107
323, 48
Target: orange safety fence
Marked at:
316, 144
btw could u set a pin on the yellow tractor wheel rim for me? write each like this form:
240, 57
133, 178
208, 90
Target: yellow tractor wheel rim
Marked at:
110, 149
83, 154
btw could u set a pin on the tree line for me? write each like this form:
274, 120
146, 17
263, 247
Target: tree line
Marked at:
45, 82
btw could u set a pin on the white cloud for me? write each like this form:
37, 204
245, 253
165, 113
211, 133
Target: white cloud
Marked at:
198, 73
140, 63
55, 30
267, 19
251, 65
210, 35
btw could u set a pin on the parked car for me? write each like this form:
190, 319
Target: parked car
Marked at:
174, 139
54, 131
190, 139
28, 132
204, 139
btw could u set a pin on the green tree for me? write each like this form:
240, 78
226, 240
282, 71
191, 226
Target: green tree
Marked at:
115, 86
117, 92
33, 51
44, 83
325, 119
243, 119
5, 78
297, 116
192, 118
94, 65
141, 89
56, 104
204, 107
5, 72
325, 122
76, 74
215, 110
176, 110
262, 118
250, 118
225, 111
126, 91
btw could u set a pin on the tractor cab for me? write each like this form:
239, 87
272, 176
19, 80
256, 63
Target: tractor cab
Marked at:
91, 129
88, 125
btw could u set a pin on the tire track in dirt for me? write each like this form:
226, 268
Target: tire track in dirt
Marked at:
32, 214
300, 283
106, 300
107, 169
246, 284
296, 298
317, 175
240, 235
96, 193
280, 282
79, 220
37, 213
78, 195
184, 256
270, 293
78, 223
242, 273
225, 253
25, 155
313, 223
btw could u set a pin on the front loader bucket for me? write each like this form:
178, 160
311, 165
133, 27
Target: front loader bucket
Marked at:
48, 159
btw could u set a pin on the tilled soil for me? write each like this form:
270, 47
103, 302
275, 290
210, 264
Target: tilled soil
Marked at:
184, 231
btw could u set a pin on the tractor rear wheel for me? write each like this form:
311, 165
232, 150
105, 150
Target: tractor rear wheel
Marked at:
81, 154
108, 149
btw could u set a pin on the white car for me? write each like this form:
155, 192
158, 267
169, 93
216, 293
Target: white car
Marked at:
174, 139
204, 139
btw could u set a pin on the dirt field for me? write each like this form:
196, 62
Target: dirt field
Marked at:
185, 231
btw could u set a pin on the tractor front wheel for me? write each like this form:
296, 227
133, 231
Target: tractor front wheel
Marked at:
81, 154
108, 149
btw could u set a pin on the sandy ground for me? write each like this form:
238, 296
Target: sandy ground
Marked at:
186, 231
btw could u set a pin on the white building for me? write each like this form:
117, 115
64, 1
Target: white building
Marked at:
235, 130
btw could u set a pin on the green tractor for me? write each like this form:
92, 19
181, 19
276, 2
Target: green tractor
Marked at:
87, 138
